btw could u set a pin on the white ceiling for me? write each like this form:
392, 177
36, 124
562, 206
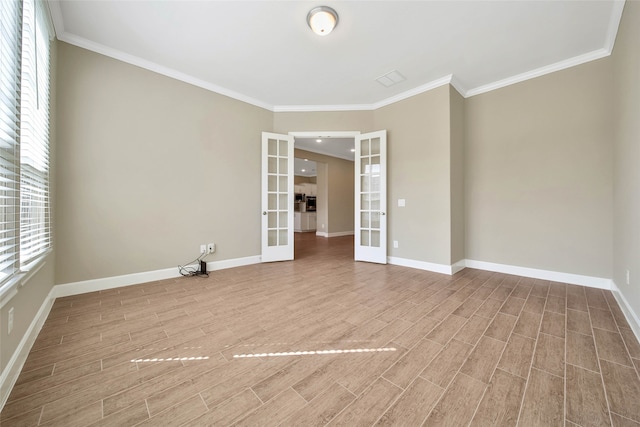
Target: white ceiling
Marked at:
331, 146
262, 52
304, 167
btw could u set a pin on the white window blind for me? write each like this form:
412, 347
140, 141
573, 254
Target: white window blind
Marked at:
10, 47
25, 230
35, 230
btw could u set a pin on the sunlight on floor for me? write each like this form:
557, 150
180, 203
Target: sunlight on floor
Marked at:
311, 352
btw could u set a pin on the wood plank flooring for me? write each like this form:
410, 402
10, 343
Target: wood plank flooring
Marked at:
327, 341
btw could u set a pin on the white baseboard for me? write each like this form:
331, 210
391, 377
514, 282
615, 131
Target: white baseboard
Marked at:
337, 234
458, 266
631, 316
421, 265
94, 285
13, 368
232, 263
574, 279
555, 276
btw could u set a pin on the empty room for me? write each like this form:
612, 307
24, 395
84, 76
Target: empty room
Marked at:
320, 213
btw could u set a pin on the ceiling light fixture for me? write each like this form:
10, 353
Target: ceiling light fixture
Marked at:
318, 140
322, 20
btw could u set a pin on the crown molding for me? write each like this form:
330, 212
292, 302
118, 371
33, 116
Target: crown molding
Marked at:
538, 72
614, 23
321, 108
413, 92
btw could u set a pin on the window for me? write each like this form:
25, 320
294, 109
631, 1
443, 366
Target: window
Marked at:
25, 229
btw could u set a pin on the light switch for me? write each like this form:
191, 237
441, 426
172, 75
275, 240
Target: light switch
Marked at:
401, 203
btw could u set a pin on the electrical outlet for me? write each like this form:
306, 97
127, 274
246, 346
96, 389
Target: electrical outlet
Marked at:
211, 248
395, 244
628, 281
10, 321
323, 226
203, 249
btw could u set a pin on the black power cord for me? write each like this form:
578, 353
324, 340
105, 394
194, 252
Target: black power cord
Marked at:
189, 271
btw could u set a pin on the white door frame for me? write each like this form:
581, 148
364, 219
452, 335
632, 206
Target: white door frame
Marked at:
327, 134
336, 134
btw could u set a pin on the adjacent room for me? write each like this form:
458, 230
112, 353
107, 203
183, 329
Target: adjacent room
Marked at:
461, 248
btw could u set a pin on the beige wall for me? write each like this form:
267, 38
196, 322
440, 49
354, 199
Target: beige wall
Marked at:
335, 186
150, 168
304, 179
626, 240
418, 170
539, 173
457, 132
323, 121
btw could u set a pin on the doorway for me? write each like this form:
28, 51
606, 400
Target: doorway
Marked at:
333, 154
355, 195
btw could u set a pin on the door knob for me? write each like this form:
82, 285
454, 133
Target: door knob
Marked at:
264, 213
382, 213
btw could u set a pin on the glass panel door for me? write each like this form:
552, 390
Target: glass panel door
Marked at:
371, 197
277, 197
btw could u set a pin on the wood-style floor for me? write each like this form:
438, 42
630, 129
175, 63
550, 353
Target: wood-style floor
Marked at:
327, 341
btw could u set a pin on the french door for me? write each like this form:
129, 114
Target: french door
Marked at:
371, 197
277, 197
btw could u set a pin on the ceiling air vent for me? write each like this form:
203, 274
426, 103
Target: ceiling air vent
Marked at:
391, 78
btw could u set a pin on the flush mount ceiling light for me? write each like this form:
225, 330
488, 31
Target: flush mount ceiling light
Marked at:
322, 20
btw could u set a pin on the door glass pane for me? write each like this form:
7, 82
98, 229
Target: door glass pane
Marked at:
364, 183
375, 239
272, 183
364, 202
364, 219
375, 146
272, 148
272, 220
282, 165
283, 237
272, 200
375, 201
364, 237
375, 220
283, 205
273, 166
375, 182
283, 152
283, 220
375, 160
364, 165
272, 239
364, 147
283, 180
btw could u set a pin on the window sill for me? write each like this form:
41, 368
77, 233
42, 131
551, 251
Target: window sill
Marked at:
11, 287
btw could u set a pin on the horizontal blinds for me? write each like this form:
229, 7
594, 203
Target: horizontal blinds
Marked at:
10, 47
35, 231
